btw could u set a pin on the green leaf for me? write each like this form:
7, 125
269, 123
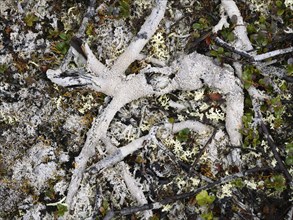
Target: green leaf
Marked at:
290, 69
171, 120
277, 182
289, 160
197, 26
279, 4
203, 21
203, 198
62, 47
220, 50
104, 208
61, 209
53, 33
247, 117
289, 147
247, 85
30, 19
283, 87
251, 28
264, 42
276, 101
247, 75
63, 36
3, 68
124, 8
214, 53
183, 135
280, 12
262, 19
90, 29
238, 183
231, 37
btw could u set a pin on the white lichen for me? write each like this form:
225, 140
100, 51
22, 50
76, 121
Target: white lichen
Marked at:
225, 191
289, 3
88, 102
159, 49
215, 114
164, 101
260, 5
110, 46
37, 166
251, 184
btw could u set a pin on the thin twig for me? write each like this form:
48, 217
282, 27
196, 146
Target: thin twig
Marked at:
255, 58
274, 53
158, 205
202, 150
275, 152
233, 49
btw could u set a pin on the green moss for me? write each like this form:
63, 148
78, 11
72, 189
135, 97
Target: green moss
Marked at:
203, 198
3, 68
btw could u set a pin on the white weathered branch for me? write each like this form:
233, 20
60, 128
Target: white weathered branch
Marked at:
189, 72
258, 57
135, 190
93, 63
132, 184
273, 54
195, 126
242, 41
151, 60
193, 71
223, 21
97, 131
118, 155
144, 35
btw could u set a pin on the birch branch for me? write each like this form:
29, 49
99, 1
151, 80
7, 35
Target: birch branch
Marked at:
258, 116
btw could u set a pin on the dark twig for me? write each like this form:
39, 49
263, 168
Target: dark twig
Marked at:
253, 58
202, 150
275, 152
158, 205
258, 116
233, 49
